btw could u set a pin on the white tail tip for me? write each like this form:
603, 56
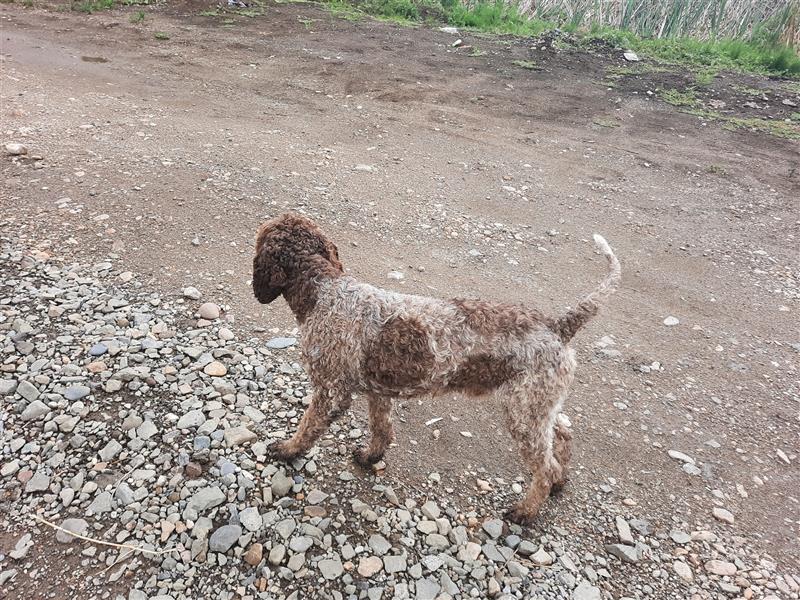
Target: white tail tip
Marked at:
602, 244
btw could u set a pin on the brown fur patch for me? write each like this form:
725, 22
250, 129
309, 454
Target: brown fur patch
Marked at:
399, 358
495, 318
481, 374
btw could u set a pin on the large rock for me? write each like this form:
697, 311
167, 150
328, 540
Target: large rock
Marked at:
101, 504
251, 519
236, 436
721, 568
194, 418
34, 410
224, 537
40, 482
586, 591
206, 498
27, 390
110, 450
281, 484
78, 526
625, 553
209, 311
331, 568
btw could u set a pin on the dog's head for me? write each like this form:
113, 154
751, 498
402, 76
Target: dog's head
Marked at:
288, 247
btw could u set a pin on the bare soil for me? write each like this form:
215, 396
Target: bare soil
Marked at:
472, 175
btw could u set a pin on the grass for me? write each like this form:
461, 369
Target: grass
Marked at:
679, 97
91, 6
606, 122
716, 170
735, 55
160, 35
749, 91
137, 17
736, 35
526, 64
780, 129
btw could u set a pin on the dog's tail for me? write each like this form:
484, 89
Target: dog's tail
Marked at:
569, 324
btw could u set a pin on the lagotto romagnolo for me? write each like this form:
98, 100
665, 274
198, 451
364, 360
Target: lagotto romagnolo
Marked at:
360, 339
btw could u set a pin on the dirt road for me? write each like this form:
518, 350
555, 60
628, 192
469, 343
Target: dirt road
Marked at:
472, 175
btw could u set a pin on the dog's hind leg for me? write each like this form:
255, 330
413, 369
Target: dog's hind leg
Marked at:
381, 432
562, 451
531, 410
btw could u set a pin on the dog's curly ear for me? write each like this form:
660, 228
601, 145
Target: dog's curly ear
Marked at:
269, 278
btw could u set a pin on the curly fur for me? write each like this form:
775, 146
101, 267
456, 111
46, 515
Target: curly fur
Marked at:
359, 339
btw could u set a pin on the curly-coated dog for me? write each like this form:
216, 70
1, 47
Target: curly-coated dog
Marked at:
360, 339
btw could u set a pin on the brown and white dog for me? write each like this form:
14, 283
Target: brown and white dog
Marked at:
360, 339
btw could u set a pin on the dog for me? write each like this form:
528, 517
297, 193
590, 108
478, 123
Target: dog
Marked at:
360, 339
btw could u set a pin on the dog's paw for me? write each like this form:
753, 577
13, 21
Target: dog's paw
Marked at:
281, 451
520, 516
558, 487
364, 459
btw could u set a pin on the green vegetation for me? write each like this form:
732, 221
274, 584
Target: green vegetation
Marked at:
526, 64
716, 170
780, 129
743, 89
160, 35
137, 17
679, 97
705, 35
90, 6
606, 122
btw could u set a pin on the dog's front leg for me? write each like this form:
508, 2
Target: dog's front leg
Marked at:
315, 422
381, 432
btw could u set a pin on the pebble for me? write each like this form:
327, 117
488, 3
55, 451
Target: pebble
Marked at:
331, 568
215, 369
209, 311
720, 567
236, 436
494, 527
586, 591
192, 419
194, 294
624, 531
624, 552
671, 321
154, 450
683, 570
40, 482
281, 484
723, 515
684, 458
77, 392
16, 149
224, 538
77, 526
369, 566
279, 343
254, 554
250, 518
542, 557
34, 410
28, 391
